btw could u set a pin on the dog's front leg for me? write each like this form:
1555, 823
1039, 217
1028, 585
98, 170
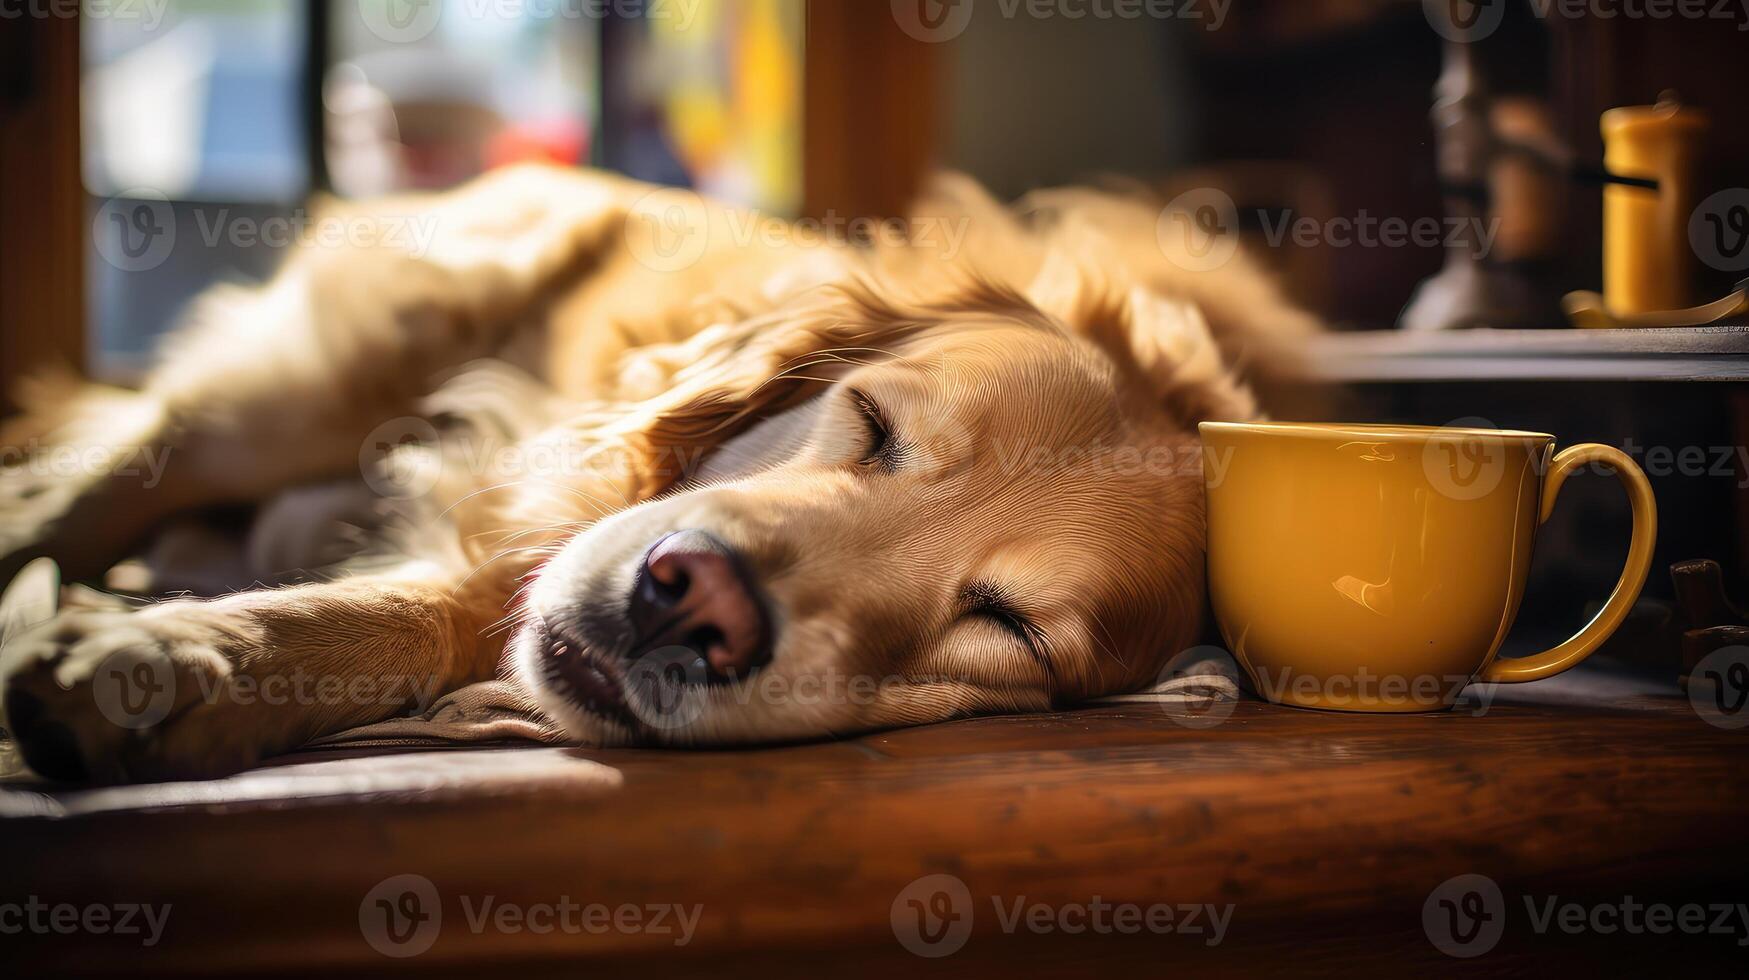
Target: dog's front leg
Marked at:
191, 688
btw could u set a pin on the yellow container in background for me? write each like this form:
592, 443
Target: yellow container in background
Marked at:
1647, 263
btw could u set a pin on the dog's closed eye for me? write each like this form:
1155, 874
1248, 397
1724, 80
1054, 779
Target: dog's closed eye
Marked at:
881, 449
993, 604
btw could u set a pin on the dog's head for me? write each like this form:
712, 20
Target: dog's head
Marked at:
986, 502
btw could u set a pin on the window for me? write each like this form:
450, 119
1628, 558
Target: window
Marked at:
208, 123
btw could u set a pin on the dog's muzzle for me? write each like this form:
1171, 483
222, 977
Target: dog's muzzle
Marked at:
693, 591
693, 618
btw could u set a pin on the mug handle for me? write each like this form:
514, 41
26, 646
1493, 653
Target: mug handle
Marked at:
1551, 662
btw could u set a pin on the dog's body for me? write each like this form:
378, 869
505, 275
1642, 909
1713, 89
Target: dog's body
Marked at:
828, 488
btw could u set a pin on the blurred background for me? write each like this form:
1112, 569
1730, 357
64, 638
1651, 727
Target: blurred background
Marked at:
201, 117
1296, 108
254, 105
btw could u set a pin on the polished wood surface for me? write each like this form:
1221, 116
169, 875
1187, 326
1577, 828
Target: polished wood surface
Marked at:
1325, 832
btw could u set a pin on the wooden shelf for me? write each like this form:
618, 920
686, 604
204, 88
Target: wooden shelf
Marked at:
1718, 353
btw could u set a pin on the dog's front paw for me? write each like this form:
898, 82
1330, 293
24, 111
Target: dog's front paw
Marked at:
116, 696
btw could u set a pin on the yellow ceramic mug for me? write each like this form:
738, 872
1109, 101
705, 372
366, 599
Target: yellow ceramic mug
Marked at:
1379, 567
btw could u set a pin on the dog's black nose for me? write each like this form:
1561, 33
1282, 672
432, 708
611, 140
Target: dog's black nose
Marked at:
692, 590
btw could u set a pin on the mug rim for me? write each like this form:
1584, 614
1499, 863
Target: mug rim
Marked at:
1367, 430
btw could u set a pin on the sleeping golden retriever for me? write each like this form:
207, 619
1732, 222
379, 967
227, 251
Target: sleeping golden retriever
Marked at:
694, 478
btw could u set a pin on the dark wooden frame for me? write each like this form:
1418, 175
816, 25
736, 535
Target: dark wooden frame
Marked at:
870, 111
43, 221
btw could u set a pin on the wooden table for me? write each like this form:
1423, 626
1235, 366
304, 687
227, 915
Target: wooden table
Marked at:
1325, 833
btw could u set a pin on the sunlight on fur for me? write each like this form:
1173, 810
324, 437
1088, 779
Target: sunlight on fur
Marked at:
777, 492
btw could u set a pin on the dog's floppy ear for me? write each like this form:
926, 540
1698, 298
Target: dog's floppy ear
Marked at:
1164, 343
693, 396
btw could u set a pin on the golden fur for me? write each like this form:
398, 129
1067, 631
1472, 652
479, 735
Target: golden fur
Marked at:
592, 394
